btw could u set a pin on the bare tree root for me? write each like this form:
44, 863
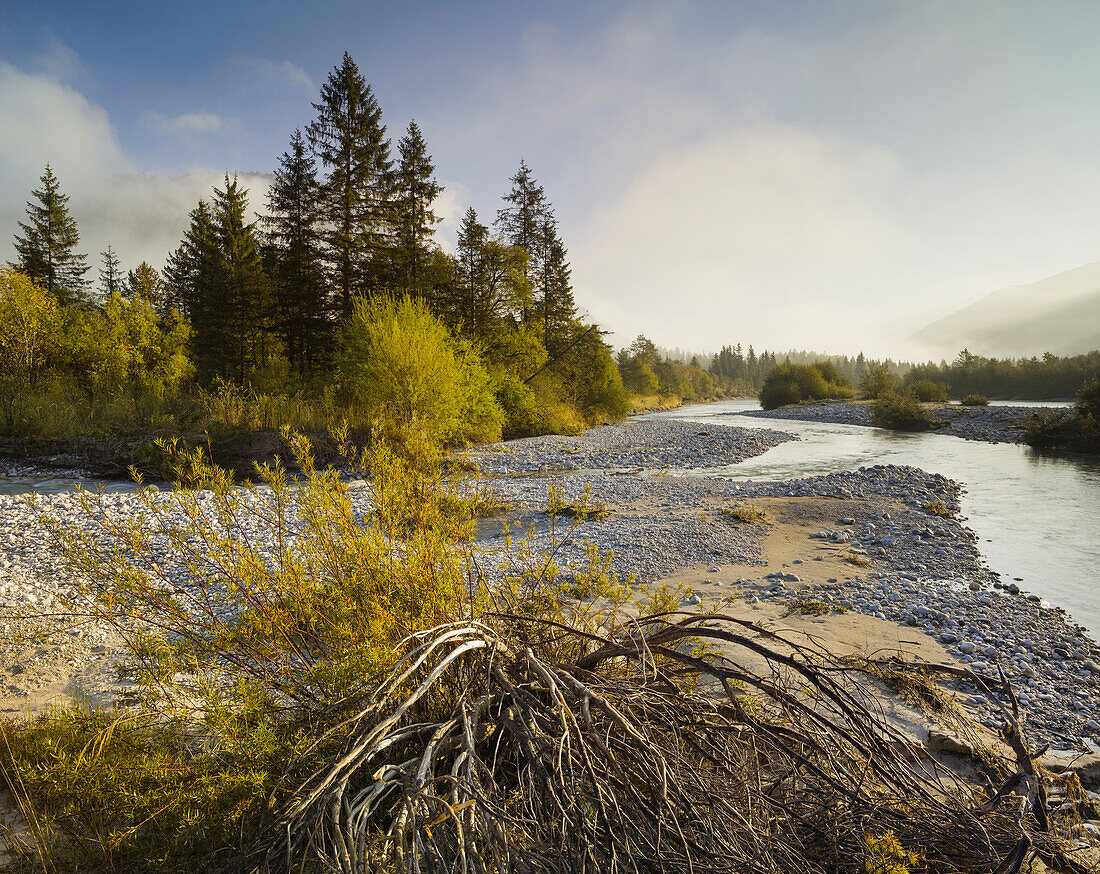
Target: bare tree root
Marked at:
657, 749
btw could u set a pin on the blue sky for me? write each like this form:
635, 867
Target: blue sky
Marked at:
809, 174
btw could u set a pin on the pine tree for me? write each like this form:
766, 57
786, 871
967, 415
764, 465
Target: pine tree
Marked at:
47, 251
110, 274
243, 295
294, 231
146, 284
350, 140
414, 191
554, 290
522, 223
490, 286
193, 274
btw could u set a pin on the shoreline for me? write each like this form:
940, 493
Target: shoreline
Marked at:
1001, 424
858, 543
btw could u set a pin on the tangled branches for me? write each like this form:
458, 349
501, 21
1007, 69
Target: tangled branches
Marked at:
479, 754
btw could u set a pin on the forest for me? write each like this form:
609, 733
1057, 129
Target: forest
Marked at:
338, 296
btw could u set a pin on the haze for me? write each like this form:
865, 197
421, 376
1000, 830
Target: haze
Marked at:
831, 176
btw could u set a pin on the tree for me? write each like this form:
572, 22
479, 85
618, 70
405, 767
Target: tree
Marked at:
29, 322
401, 366
144, 283
294, 231
47, 249
414, 192
876, 380
490, 283
350, 140
110, 274
242, 295
554, 291
193, 273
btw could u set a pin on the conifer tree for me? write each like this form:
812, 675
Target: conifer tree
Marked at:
47, 249
297, 274
554, 291
522, 222
350, 140
110, 274
414, 192
145, 283
242, 296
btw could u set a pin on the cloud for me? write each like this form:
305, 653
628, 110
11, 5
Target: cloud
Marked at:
142, 216
265, 74
189, 124
58, 61
734, 230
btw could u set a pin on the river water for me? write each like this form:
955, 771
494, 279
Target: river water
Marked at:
1038, 516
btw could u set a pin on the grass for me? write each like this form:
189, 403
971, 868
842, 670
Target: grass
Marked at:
746, 512
809, 606
855, 558
936, 507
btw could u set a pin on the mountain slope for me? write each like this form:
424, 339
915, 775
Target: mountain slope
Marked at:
1060, 314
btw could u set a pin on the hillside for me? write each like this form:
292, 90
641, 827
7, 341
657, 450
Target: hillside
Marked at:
1060, 314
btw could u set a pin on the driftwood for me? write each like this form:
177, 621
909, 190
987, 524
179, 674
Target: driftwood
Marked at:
654, 749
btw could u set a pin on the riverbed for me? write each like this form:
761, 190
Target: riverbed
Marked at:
1037, 515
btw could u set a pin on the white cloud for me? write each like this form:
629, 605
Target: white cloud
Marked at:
142, 216
189, 124
58, 61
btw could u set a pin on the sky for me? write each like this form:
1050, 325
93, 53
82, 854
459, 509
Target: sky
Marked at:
819, 175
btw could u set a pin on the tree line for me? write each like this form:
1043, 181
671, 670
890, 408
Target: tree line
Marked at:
350, 218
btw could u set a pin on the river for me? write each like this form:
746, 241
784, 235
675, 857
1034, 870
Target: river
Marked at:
1038, 515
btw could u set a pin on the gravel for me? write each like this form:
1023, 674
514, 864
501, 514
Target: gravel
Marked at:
927, 571
986, 424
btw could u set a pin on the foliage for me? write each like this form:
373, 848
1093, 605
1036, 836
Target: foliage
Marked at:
975, 400
47, 249
928, 391
1088, 398
1049, 376
29, 322
901, 412
797, 383
746, 512
401, 367
937, 507
876, 380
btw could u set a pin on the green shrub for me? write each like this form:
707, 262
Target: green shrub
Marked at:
975, 401
1062, 429
795, 383
401, 367
901, 412
1088, 398
928, 391
876, 380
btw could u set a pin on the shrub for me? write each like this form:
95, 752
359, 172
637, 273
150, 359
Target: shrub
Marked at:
975, 401
403, 369
748, 513
876, 380
901, 412
794, 383
928, 391
1088, 398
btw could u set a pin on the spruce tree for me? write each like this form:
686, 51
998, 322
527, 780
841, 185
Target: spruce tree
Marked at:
294, 232
145, 283
242, 295
47, 249
414, 192
193, 276
554, 289
350, 140
110, 274
523, 221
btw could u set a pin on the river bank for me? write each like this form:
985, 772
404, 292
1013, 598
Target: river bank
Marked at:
992, 424
881, 549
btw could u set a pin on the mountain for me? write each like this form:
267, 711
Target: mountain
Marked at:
1060, 314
